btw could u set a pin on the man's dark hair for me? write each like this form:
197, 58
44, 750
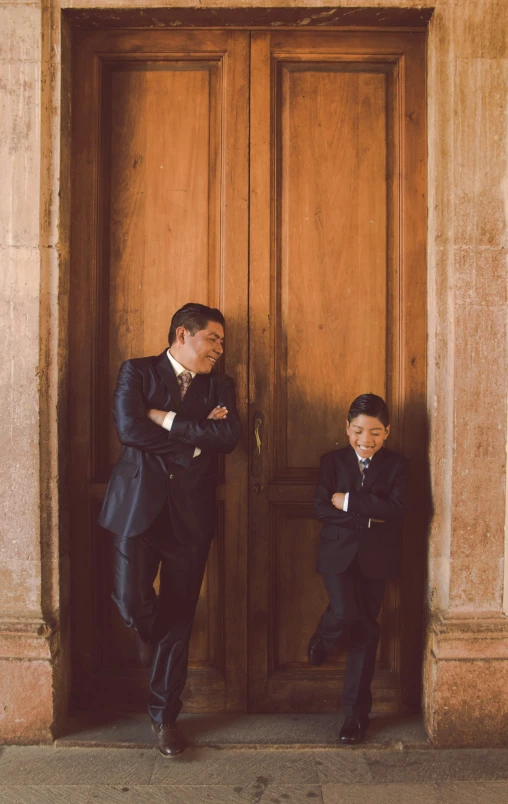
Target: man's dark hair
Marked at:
193, 317
369, 405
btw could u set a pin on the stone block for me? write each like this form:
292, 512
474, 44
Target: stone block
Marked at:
19, 402
473, 792
43, 765
347, 767
26, 704
28, 639
480, 277
424, 767
20, 582
44, 794
212, 767
380, 794
261, 791
479, 29
20, 152
466, 705
480, 415
480, 154
21, 32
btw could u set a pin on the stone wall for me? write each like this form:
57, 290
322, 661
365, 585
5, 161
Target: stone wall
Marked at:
466, 660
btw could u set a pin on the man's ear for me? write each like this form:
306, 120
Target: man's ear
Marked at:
180, 335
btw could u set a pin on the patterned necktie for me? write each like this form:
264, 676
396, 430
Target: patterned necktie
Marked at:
184, 380
364, 465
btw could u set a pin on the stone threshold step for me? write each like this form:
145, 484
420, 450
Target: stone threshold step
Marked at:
132, 730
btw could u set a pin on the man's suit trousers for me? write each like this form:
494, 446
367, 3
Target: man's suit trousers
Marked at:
165, 621
351, 618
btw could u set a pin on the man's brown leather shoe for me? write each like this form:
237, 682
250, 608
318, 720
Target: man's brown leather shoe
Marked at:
170, 740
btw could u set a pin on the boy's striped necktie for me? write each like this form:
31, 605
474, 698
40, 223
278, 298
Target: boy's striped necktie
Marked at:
364, 465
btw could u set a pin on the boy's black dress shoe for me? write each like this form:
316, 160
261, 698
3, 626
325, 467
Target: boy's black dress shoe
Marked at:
316, 653
353, 729
170, 740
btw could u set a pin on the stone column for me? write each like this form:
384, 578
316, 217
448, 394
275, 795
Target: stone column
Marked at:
466, 663
29, 563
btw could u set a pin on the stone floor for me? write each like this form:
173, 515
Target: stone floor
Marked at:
250, 759
133, 730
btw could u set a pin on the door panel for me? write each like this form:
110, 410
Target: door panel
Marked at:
160, 219
336, 290
163, 191
331, 297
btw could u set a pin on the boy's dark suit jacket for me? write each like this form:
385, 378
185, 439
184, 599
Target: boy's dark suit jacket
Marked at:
345, 534
156, 464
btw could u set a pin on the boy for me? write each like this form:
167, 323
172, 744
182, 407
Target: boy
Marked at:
360, 498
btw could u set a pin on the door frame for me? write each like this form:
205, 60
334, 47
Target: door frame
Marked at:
246, 19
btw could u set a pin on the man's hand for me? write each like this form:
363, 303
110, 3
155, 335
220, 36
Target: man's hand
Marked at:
218, 413
156, 416
338, 500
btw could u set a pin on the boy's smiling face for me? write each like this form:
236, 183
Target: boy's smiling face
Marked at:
367, 435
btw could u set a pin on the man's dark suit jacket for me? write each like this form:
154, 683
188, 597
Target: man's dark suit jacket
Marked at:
345, 534
156, 464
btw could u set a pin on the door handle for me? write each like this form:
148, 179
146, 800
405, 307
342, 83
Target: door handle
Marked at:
258, 421
257, 454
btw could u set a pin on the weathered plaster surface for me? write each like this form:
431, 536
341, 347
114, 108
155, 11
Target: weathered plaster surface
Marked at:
466, 660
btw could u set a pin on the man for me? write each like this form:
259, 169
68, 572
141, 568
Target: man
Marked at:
173, 415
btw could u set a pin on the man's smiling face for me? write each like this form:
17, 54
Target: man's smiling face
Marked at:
367, 435
199, 352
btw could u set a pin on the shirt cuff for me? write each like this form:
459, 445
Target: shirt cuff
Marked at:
346, 501
370, 520
168, 421
197, 452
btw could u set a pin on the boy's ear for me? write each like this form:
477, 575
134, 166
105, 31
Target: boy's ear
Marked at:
387, 428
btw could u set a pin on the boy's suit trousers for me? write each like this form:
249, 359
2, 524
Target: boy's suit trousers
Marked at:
354, 605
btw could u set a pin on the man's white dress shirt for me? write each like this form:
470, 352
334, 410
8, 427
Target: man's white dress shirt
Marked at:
168, 421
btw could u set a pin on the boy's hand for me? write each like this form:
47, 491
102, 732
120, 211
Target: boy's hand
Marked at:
338, 500
220, 412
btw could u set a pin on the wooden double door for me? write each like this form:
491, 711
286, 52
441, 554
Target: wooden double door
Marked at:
278, 175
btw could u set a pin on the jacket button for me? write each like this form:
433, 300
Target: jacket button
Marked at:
171, 477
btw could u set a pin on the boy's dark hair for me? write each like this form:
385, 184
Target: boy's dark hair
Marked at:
369, 405
193, 317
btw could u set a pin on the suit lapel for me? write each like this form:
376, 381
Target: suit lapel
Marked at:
353, 469
197, 388
376, 466
168, 376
